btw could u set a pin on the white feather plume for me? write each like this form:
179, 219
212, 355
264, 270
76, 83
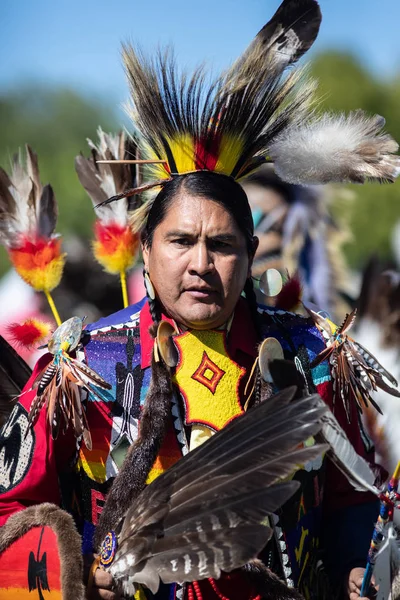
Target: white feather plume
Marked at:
336, 148
26, 207
101, 181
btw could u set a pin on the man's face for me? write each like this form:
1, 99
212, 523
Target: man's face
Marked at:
198, 262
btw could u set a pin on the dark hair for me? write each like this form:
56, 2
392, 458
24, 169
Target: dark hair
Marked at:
221, 189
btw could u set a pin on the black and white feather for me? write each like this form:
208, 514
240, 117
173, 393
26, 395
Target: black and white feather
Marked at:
342, 454
26, 207
104, 180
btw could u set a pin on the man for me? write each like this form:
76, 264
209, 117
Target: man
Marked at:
198, 246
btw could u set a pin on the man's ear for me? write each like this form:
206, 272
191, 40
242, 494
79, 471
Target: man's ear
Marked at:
145, 255
256, 241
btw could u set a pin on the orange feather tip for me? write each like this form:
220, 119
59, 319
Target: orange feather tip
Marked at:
115, 247
29, 333
40, 263
290, 295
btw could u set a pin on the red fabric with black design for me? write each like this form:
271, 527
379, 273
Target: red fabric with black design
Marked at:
39, 481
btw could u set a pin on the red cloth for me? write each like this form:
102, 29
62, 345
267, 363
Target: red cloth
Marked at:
40, 483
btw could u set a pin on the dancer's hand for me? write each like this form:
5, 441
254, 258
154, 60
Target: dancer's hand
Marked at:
100, 585
354, 583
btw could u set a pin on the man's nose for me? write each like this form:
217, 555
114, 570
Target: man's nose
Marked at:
201, 260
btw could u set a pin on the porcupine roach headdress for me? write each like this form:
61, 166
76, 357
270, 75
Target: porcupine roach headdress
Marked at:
115, 246
28, 216
252, 114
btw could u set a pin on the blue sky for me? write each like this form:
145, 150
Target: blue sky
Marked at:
77, 42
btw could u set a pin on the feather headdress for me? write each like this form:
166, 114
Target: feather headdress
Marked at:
115, 246
253, 113
28, 216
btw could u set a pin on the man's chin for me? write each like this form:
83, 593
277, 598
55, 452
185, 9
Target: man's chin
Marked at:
204, 319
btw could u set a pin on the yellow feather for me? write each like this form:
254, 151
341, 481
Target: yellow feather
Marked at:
231, 149
182, 148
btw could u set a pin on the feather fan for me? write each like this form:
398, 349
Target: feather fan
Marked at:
207, 512
341, 452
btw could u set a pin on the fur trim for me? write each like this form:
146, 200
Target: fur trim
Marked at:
336, 148
69, 542
131, 479
267, 584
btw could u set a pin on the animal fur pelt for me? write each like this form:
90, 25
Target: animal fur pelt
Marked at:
131, 479
206, 513
69, 542
14, 373
336, 148
267, 584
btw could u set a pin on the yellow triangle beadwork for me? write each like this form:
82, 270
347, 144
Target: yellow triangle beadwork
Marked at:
207, 378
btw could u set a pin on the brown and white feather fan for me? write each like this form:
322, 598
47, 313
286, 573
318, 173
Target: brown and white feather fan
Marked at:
208, 512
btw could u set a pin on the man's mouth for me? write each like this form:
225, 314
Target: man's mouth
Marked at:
200, 291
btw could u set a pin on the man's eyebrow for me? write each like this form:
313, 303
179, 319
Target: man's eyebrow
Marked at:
220, 237
179, 234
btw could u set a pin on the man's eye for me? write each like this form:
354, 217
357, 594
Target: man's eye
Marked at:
182, 241
218, 245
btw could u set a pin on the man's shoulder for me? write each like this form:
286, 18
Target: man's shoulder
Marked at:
294, 331
127, 317
283, 319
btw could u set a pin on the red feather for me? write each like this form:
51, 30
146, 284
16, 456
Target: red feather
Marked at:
29, 333
290, 295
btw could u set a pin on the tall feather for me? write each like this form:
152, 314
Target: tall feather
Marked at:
26, 207
284, 39
104, 180
206, 513
343, 455
115, 246
28, 215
